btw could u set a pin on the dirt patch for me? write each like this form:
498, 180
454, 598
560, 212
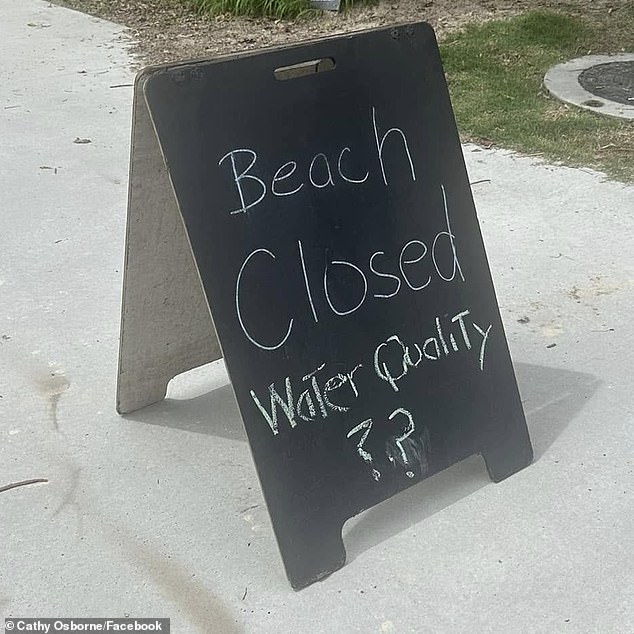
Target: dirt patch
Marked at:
163, 30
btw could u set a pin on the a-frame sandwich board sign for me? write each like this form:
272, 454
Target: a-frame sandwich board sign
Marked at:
329, 222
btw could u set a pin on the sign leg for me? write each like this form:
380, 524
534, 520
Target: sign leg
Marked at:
166, 327
502, 462
311, 553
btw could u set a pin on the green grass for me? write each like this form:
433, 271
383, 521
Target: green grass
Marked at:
269, 8
495, 72
281, 9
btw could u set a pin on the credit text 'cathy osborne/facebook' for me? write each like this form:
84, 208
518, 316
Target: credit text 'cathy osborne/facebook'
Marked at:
321, 174
70, 625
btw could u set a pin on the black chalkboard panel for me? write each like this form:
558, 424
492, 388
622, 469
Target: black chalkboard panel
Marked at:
333, 227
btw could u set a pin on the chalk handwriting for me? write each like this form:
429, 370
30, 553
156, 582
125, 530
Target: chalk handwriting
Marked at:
281, 174
321, 393
340, 170
404, 450
386, 275
244, 175
365, 455
317, 400
327, 294
409, 451
408, 432
276, 399
325, 168
485, 336
448, 234
255, 342
418, 265
381, 143
252, 189
306, 282
393, 359
334, 285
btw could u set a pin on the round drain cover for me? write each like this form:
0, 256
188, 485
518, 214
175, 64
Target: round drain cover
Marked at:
613, 81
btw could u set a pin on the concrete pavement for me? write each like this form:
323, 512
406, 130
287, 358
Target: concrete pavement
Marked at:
160, 514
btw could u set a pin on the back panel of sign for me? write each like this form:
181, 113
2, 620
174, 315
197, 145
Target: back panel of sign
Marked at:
331, 219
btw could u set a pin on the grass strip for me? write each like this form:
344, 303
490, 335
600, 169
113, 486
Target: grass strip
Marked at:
282, 9
495, 72
278, 9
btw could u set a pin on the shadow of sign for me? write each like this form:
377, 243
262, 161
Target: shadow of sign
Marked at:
214, 413
552, 397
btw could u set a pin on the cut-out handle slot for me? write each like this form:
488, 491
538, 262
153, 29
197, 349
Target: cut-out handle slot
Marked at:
304, 68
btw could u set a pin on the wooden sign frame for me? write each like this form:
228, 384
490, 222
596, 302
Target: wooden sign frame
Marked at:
170, 294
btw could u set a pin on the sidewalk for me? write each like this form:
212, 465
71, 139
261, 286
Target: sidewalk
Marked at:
160, 514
